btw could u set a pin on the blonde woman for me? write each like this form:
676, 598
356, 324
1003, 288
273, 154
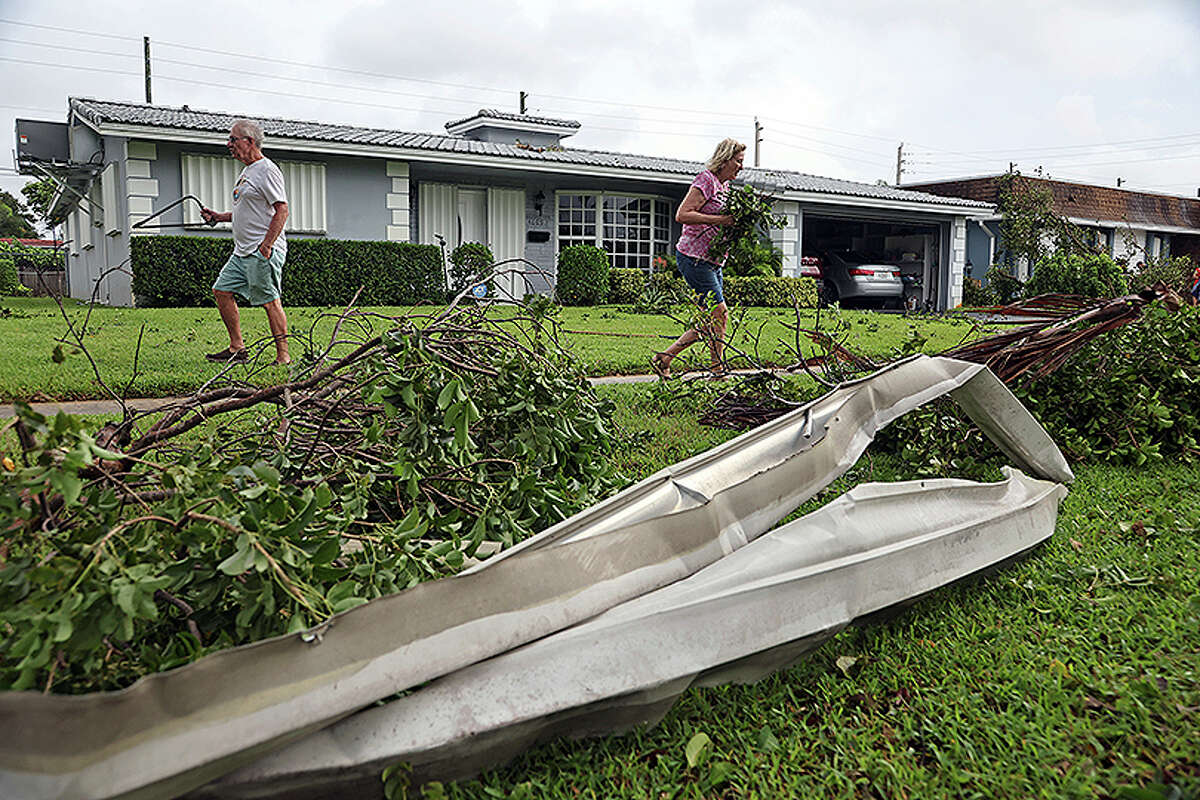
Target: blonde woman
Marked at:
700, 214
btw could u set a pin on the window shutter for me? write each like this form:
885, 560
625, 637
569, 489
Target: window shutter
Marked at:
211, 178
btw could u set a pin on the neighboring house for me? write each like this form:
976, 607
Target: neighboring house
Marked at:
500, 178
1130, 226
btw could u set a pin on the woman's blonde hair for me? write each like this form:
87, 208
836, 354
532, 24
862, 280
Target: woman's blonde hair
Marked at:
726, 151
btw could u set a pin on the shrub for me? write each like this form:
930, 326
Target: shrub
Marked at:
468, 261
754, 258
8, 274
770, 292
1130, 396
976, 294
1174, 272
173, 271
630, 286
625, 286
1087, 274
664, 262
1005, 287
582, 275
15, 257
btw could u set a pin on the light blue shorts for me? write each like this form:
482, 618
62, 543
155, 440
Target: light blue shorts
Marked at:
253, 278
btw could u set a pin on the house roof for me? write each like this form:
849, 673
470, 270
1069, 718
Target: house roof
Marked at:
1083, 201
105, 112
504, 116
47, 243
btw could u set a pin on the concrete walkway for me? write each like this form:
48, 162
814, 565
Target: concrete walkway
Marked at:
150, 403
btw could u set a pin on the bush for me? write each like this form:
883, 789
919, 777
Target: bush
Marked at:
770, 292
1174, 272
15, 257
1130, 396
1003, 286
630, 286
468, 261
976, 294
626, 286
1089, 275
582, 275
754, 258
173, 271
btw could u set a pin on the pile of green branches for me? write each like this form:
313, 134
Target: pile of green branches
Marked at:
400, 450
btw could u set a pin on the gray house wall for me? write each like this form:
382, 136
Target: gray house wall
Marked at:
370, 197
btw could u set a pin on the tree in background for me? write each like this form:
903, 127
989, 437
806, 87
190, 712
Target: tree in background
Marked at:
38, 194
16, 221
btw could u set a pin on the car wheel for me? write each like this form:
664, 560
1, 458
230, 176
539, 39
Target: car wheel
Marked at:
831, 293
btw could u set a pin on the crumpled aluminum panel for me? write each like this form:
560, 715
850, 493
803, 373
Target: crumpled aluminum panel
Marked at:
175, 731
737, 620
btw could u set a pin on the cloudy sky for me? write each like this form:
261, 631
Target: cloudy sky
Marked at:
1091, 90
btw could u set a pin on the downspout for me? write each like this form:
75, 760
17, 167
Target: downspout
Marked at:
991, 243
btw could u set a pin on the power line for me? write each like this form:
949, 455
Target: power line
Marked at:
68, 66
72, 49
69, 30
791, 123
827, 153
1029, 150
828, 144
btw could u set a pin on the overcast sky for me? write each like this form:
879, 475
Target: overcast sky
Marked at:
1089, 90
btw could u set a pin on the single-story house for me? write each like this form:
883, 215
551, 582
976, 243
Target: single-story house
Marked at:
495, 177
1131, 226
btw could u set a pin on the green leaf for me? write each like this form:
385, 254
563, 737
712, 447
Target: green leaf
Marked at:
766, 740
239, 562
446, 396
698, 749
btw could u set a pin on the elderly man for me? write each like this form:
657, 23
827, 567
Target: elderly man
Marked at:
255, 270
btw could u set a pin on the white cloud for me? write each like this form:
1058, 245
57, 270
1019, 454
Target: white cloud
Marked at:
950, 79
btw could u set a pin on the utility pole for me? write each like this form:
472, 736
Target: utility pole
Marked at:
758, 129
899, 162
146, 49
521, 104
1119, 182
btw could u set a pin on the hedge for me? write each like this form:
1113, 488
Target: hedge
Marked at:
173, 271
14, 257
629, 285
582, 275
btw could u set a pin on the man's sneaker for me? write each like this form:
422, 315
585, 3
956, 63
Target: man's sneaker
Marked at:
226, 355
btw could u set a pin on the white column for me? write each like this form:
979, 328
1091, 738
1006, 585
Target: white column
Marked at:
140, 189
788, 238
399, 226
958, 260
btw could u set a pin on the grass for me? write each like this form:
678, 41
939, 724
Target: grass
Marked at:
1075, 673
608, 339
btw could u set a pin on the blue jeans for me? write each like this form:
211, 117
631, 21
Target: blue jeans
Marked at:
703, 276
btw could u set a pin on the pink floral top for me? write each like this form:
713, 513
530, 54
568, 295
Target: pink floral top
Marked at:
695, 239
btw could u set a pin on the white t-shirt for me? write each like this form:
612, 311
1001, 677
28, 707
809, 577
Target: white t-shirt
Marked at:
258, 189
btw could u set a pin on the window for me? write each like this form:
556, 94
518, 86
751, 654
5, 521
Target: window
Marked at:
632, 229
211, 179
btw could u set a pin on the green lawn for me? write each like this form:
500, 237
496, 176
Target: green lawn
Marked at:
608, 339
1075, 673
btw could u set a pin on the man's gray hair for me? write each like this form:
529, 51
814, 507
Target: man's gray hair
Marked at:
726, 151
249, 128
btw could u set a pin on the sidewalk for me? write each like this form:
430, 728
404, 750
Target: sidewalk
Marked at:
151, 403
